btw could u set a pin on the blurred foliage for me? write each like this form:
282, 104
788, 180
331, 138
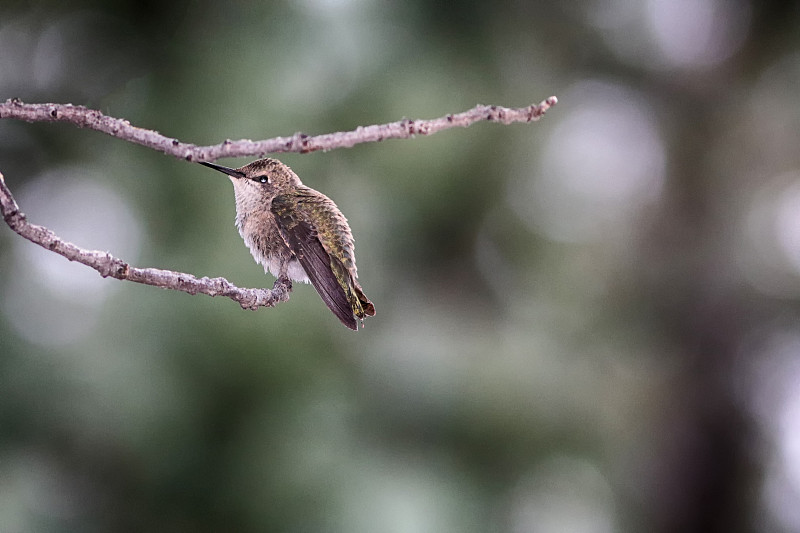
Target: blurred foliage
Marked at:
585, 324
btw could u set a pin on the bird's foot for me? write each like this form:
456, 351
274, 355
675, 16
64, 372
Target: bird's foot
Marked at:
283, 282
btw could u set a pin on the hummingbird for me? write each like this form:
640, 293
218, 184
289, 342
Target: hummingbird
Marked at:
298, 233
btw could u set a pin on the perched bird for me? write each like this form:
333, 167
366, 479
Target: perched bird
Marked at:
298, 233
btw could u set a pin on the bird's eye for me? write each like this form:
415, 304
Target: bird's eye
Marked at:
263, 179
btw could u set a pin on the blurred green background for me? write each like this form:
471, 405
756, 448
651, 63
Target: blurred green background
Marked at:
587, 324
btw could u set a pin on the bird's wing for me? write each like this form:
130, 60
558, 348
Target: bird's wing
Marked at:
303, 240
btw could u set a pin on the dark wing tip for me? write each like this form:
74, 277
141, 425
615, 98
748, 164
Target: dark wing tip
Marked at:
369, 309
349, 321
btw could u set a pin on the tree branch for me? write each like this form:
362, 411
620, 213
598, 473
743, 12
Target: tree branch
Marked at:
109, 266
299, 142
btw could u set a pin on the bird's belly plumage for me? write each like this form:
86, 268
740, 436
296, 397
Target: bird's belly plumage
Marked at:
268, 248
295, 270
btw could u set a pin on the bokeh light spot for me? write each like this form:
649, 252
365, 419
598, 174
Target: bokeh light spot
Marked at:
770, 254
563, 494
81, 210
697, 33
672, 34
771, 368
602, 163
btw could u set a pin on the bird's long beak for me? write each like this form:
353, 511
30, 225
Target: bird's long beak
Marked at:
225, 170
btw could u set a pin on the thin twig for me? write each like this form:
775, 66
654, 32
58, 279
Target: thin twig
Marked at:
299, 142
109, 266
